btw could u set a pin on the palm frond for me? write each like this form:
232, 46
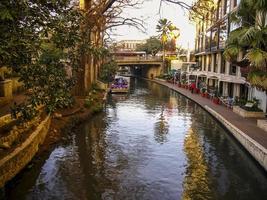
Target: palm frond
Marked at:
257, 58
248, 35
258, 78
231, 52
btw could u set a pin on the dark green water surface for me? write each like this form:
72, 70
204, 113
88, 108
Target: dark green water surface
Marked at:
150, 144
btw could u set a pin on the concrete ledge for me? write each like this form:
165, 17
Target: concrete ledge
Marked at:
11, 164
6, 88
261, 123
102, 85
159, 79
245, 113
5, 120
256, 150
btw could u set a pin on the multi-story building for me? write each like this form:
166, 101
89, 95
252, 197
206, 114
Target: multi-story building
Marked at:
129, 45
214, 70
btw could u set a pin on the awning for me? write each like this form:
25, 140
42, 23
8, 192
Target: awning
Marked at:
232, 80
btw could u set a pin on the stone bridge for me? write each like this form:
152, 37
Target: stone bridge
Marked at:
148, 67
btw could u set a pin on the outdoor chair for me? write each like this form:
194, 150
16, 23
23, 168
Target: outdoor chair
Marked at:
228, 101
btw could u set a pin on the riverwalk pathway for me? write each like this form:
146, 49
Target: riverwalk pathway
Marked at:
248, 126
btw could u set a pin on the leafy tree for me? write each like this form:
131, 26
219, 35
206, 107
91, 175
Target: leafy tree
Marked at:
171, 45
42, 39
152, 46
166, 30
108, 70
198, 10
250, 39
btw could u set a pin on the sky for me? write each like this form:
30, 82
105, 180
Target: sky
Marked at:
149, 12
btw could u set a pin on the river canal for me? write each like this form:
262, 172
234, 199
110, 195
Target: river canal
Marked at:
150, 144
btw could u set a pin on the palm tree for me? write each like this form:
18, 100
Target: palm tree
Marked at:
251, 39
166, 30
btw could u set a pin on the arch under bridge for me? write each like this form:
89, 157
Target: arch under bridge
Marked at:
148, 67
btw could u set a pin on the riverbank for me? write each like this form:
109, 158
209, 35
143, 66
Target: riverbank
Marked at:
51, 131
245, 130
64, 120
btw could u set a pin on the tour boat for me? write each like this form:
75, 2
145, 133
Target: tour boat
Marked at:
120, 85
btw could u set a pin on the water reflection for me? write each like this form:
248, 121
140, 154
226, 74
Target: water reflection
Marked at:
161, 127
197, 183
150, 144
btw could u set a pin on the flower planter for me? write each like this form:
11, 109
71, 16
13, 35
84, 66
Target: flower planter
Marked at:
216, 100
202, 94
196, 90
245, 113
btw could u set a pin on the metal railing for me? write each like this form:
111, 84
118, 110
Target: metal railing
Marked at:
138, 58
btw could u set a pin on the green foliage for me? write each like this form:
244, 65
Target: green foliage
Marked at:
250, 38
152, 46
108, 70
167, 30
98, 107
44, 41
201, 9
254, 108
47, 78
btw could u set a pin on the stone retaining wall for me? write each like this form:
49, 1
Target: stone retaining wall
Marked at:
11, 164
101, 85
5, 120
256, 150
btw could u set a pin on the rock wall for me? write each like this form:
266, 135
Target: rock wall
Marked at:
11, 164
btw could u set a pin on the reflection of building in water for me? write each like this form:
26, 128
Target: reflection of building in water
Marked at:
172, 102
161, 128
197, 183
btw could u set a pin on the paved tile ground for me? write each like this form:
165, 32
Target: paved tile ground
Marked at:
246, 125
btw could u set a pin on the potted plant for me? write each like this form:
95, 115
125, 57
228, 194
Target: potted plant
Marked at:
216, 99
202, 92
196, 90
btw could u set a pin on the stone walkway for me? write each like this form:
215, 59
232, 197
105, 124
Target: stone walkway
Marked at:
246, 125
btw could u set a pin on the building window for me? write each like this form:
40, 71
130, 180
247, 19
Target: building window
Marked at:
205, 63
214, 38
199, 62
220, 10
226, 6
232, 69
207, 40
223, 34
222, 65
209, 62
216, 58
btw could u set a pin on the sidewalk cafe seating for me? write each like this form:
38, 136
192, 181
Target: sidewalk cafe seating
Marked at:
227, 101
